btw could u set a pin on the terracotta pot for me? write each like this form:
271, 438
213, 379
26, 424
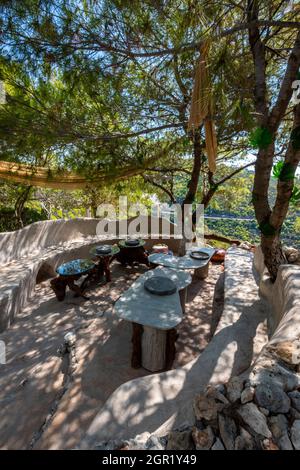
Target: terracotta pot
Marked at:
219, 255
160, 248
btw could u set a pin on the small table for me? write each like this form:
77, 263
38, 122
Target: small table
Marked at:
130, 254
104, 261
154, 319
200, 267
70, 272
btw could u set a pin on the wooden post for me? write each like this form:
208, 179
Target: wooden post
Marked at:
154, 343
183, 297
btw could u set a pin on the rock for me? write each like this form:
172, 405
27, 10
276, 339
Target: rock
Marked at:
218, 445
268, 371
264, 411
295, 434
244, 441
268, 444
221, 388
207, 407
247, 395
291, 253
294, 413
139, 442
154, 443
219, 397
234, 389
228, 431
288, 351
284, 443
180, 441
203, 439
295, 399
251, 415
272, 397
279, 427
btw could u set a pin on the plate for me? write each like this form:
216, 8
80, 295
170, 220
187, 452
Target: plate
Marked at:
103, 250
199, 255
160, 285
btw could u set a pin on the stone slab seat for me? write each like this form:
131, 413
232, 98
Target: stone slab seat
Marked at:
163, 400
18, 278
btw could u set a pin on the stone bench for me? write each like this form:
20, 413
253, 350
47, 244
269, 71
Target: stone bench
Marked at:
33, 253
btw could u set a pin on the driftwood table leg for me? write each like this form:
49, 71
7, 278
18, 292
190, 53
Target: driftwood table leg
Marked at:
201, 273
136, 357
154, 343
172, 336
183, 298
107, 268
59, 285
78, 290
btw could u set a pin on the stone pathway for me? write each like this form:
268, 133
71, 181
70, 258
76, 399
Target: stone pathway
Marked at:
42, 407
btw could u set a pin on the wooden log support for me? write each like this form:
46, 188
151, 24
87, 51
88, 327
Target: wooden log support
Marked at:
132, 255
183, 298
154, 346
136, 357
201, 273
59, 285
153, 349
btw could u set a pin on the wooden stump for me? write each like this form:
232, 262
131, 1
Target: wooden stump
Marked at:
132, 255
201, 273
183, 298
136, 357
154, 345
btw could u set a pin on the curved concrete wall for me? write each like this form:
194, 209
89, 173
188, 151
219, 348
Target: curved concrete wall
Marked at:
44, 245
40, 235
283, 296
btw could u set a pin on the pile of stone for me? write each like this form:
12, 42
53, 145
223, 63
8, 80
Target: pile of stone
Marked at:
292, 255
260, 412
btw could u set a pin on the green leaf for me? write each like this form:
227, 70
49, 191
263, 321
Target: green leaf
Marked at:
295, 197
260, 138
277, 169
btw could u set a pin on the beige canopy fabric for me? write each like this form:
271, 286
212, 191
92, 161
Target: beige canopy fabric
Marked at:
201, 92
47, 178
201, 107
57, 179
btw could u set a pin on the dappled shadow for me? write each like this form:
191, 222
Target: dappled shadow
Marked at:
33, 377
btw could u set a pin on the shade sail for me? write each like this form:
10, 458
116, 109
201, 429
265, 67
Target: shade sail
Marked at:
55, 179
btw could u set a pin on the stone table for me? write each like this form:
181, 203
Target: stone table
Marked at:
154, 319
185, 262
134, 253
104, 260
70, 272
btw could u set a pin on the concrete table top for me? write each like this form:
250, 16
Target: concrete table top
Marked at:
183, 262
140, 306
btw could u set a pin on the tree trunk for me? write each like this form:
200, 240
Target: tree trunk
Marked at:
19, 205
273, 254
